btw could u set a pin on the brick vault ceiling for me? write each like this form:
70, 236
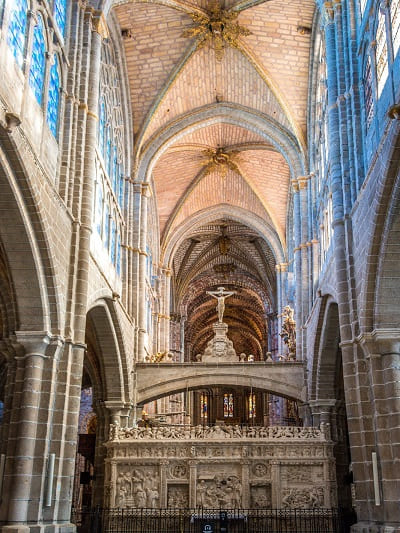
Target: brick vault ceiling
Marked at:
225, 253
169, 77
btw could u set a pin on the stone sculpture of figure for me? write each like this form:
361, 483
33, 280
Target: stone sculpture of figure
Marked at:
220, 295
201, 493
288, 332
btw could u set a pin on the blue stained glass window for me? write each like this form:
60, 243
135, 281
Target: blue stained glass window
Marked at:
113, 241
102, 125
115, 171
118, 254
121, 191
53, 102
106, 237
60, 14
99, 208
38, 60
108, 150
17, 30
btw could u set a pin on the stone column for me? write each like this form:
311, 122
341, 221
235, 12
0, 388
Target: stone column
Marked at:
164, 315
23, 456
297, 266
182, 347
322, 411
382, 349
142, 302
133, 252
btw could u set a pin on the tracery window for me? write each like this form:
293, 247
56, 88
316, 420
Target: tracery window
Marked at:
252, 405
382, 69
395, 21
17, 28
38, 60
60, 14
228, 405
203, 405
368, 95
53, 98
110, 139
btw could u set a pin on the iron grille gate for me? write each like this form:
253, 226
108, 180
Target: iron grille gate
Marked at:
209, 521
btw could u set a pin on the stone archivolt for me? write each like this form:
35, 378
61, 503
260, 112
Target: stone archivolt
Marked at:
220, 467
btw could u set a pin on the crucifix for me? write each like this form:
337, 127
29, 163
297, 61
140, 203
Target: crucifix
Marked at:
220, 295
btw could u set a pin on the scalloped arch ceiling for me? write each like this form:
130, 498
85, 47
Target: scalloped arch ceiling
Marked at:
168, 76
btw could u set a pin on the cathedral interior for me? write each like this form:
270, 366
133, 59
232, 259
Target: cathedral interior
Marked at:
199, 259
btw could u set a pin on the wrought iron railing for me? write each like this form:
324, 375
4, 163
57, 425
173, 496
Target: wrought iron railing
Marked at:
209, 521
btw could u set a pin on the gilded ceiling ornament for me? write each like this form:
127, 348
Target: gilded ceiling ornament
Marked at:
220, 160
218, 28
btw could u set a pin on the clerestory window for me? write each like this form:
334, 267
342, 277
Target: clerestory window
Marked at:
395, 21
382, 69
38, 60
17, 30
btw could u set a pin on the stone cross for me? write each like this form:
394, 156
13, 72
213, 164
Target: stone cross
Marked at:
220, 295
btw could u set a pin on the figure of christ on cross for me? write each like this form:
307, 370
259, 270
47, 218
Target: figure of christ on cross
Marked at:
220, 295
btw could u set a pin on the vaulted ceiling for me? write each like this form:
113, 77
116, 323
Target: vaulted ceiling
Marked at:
219, 102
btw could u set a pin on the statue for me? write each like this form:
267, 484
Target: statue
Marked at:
220, 295
288, 332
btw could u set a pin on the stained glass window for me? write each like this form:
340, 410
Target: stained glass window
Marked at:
99, 208
108, 154
60, 14
203, 405
118, 265
395, 19
115, 171
38, 60
53, 102
111, 152
252, 405
102, 125
369, 100
86, 409
113, 242
228, 405
121, 191
106, 234
381, 54
17, 30
362, 6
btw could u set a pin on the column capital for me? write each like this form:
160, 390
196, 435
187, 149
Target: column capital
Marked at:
380, 342
42, 343
322, 403
303, 182
146, 190
295, 185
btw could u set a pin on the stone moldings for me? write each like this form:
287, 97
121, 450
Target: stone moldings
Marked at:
220, 467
